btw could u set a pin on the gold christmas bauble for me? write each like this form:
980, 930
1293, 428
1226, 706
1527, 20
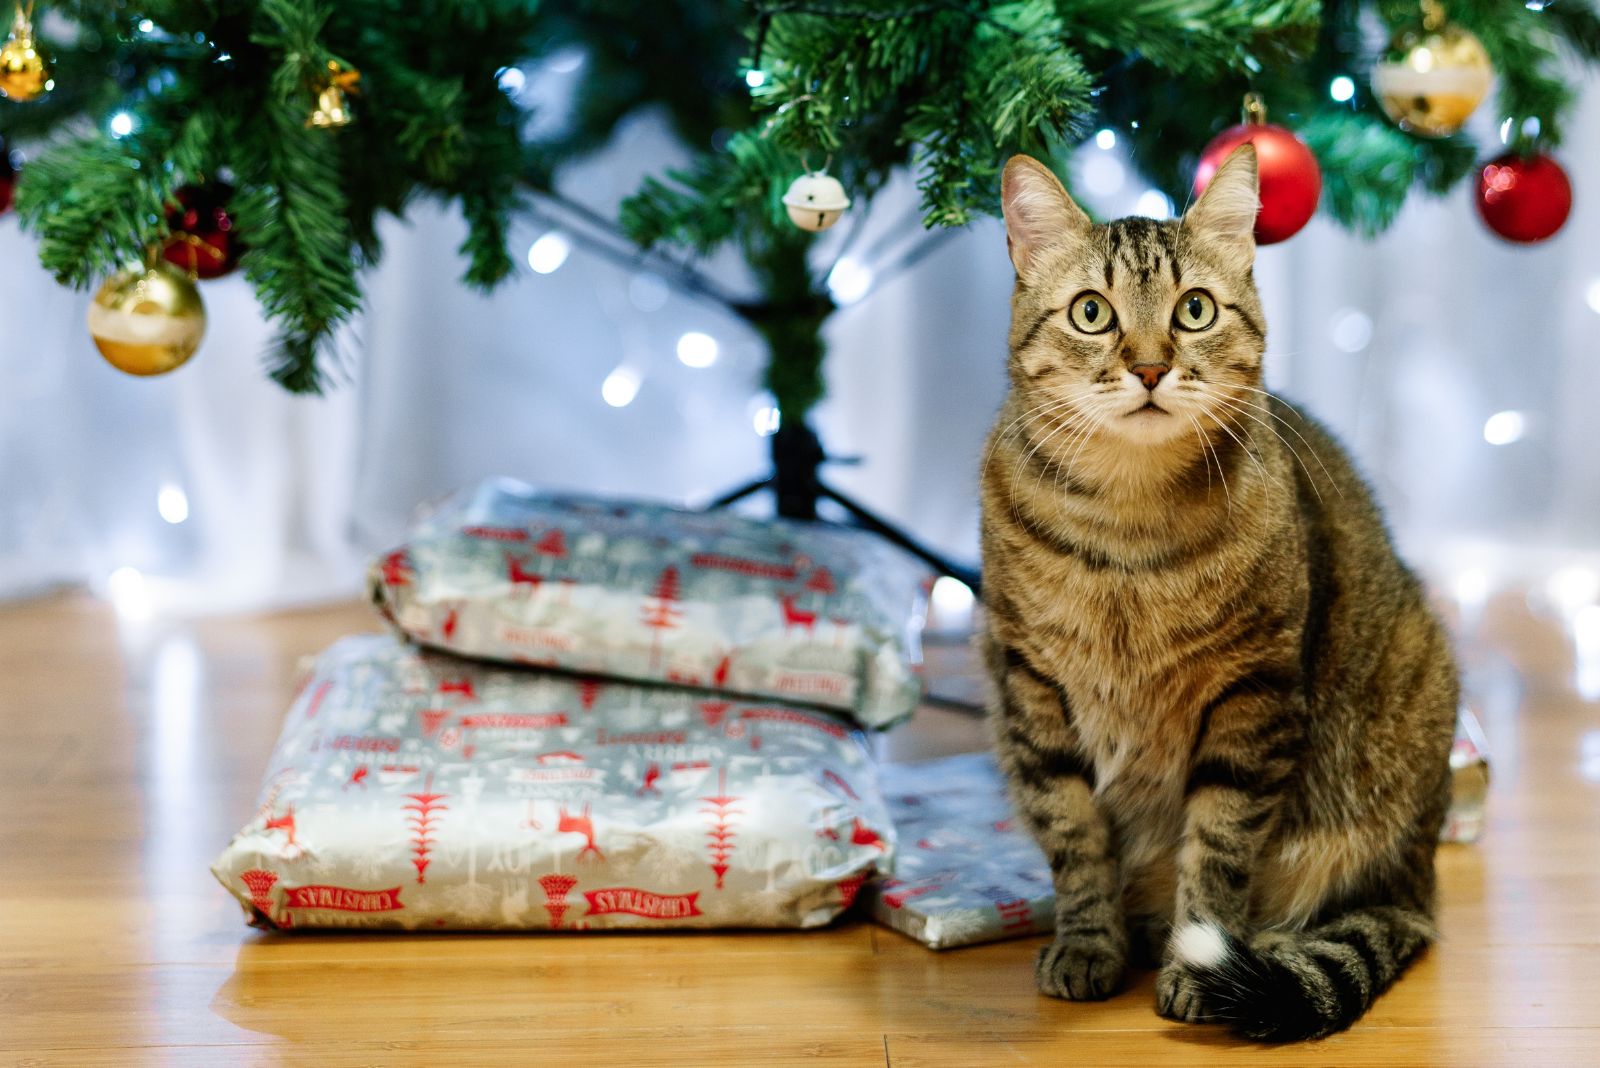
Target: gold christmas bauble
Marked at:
147, 320
1432, 79
23, 74
815, 201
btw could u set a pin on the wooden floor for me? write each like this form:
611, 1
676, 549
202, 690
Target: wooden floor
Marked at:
129, 754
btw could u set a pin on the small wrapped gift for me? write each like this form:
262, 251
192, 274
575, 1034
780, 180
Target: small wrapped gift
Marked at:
800, 612
966, 872
1469, 780
413, 790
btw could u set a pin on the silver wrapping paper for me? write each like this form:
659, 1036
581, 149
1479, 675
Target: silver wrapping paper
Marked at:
1469, 781
799, 612
966, 872
412, 790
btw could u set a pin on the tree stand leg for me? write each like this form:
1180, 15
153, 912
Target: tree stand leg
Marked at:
797, 454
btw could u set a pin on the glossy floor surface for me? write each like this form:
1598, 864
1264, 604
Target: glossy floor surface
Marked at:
129, 753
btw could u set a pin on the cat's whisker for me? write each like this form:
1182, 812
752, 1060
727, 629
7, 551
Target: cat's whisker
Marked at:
1043, 408
1242, 409
1212, 453
1034, 448
1226, 429
1294, 430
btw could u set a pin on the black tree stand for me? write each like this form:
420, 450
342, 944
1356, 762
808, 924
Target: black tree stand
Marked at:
796, 482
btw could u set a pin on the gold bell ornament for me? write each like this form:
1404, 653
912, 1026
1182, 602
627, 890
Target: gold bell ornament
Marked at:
815, 201
1433, 77
147, 320
333, 109
23, 74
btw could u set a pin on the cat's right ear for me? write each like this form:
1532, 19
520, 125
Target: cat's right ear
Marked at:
1038, 212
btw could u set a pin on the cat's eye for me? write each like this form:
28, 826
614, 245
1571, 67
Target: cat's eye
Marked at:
1196, 311
1091, 313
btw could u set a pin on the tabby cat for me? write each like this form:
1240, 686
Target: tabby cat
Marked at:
1223, 704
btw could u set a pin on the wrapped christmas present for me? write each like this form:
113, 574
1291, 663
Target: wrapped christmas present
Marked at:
1469, 780
966, 871
413, 790
799, 612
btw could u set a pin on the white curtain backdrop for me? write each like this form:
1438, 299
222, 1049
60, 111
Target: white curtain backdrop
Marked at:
1406, 346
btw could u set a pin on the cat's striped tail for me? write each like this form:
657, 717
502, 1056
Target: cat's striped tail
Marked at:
1283, 986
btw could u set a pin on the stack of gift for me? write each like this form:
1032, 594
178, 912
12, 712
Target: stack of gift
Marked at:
595, 714
600, 714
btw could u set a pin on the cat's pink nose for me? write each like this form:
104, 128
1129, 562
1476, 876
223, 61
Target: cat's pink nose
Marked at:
1150, 373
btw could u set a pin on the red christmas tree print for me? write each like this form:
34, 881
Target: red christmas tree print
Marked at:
432, 720
553, 544
555, 889
448, 627
588, 693
821, 581
714, 711
396, 569
721, 834
260, 884
660, 612
719, 677
424, 808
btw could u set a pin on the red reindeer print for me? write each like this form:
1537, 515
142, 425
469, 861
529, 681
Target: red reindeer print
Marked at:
284, 823
862, 835
566, 823
358, 777
448, 627
459, 687
719, 677
795, 617
521, 578
652, 775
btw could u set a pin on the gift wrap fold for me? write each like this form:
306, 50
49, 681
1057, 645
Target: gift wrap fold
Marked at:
413, 790
967, 872
798, 612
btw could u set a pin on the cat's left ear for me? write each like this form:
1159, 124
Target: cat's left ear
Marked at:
1226, 211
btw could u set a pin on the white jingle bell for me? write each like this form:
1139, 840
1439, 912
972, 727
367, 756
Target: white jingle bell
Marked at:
815, 201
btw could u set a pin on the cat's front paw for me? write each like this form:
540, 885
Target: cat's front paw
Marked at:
1178, 995
1080, 969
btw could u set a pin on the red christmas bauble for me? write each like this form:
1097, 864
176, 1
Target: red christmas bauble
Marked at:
1524, 199
1291, 181
202, 241
8, 177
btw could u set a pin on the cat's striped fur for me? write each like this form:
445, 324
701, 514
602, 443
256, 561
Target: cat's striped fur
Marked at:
1223, 704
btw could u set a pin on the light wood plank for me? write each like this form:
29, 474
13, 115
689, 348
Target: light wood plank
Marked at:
117, 947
